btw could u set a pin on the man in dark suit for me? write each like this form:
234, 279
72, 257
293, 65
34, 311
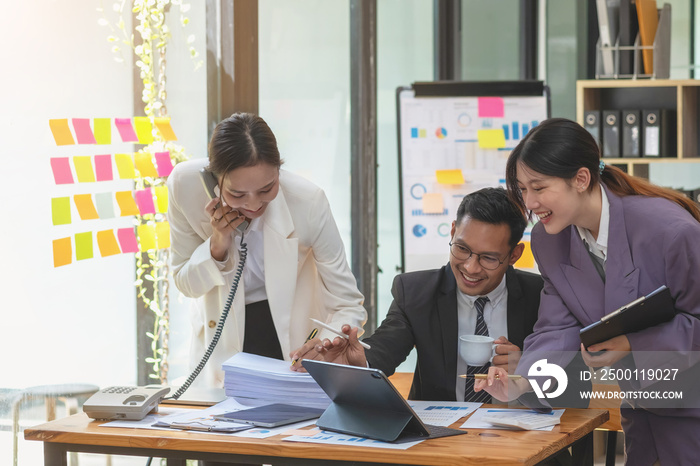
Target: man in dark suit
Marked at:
432, 308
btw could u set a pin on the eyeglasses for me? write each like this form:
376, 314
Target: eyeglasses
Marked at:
487, 261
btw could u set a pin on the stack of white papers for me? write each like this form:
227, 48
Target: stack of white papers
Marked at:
256, 380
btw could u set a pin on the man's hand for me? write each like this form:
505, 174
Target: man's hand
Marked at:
507, 354
342, 351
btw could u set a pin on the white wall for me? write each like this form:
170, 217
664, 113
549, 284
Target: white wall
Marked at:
77, 322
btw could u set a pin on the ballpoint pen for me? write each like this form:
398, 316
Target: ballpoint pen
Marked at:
339, 333
310, 337
483, 376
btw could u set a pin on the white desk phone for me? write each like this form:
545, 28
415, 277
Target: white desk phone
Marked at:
124, 403
134, 403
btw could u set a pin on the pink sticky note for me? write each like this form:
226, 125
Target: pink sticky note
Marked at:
127, 240
61, 170
144, 200
126, 130
490, 107
83, 132
165, 165
103, 167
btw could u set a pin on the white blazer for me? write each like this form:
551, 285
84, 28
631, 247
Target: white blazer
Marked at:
306, 272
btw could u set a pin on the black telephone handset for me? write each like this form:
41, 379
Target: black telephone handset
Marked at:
210, 184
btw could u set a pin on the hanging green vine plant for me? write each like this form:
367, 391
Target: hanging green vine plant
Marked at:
152, 268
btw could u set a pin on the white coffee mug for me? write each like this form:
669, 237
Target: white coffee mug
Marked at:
476, 350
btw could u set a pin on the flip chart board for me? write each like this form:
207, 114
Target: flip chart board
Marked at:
455, 138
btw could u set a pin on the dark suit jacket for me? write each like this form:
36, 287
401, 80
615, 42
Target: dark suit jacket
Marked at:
424, 314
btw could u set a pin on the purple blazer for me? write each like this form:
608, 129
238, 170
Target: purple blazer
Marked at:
651, 242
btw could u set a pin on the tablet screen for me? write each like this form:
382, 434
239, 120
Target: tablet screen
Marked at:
273, 415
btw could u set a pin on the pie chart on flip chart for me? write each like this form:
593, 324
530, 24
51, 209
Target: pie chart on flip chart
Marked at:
419, 231
441, 133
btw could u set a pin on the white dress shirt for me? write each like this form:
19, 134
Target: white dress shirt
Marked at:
495, 316
599, 246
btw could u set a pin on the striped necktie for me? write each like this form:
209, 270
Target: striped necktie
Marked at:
479, 329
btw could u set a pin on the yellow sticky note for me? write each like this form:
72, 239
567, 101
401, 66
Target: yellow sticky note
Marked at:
433, 203
449, 176
83, 246
147, 237
61, 132
491, 138
125, 166
127, 204
85, 206
163, 235
144, 130
103, 130
83, 168
107, 243
62, 252
144, 164
60, 210
163, 125
527, 260
161, 199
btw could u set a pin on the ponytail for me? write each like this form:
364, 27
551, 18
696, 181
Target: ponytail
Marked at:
623, 184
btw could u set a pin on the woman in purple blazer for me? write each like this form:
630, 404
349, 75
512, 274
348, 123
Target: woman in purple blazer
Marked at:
603, 239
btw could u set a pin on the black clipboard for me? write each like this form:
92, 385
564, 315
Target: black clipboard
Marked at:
366, 404
653, 309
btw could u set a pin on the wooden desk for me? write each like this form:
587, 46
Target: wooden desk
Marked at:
484, 447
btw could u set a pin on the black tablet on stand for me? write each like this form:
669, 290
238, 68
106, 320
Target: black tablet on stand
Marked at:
366, 404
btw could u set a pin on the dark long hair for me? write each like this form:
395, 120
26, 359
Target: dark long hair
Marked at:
242, 140
560, 147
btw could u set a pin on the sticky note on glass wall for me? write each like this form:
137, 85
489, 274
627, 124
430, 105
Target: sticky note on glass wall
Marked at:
491, 107
61, 132
103, 130
449, 176
491, 138
85, 206
107, 243
126, 203
83, 169
83, 246
147, 237
163, 235
433, 203
105, 205
62, 252
144, 201
126, 131
60, 210
103, 167
61, 170
83, 132
161, 199
144, 130
144, 164
125, 166
127, 240
527, 260
165, 165
164, 128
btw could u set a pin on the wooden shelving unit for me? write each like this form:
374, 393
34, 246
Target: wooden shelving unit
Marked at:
683, 96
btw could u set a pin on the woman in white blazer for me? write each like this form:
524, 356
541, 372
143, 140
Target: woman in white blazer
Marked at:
295, 268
